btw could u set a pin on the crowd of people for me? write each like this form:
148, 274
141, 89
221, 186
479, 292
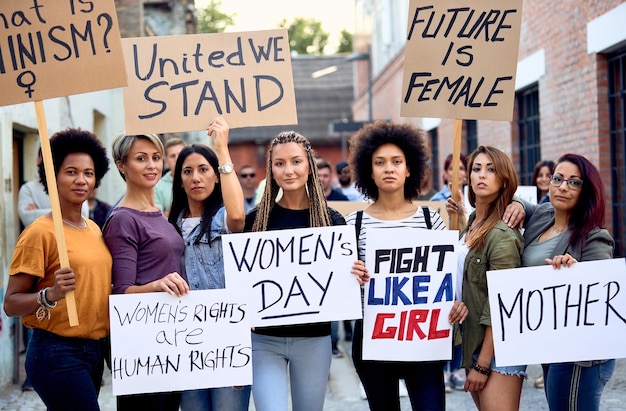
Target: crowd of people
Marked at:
165, 235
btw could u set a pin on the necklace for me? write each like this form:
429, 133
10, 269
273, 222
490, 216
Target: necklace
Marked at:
79, 227
558, 230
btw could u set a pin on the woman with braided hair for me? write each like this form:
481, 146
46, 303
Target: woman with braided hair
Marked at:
299, 354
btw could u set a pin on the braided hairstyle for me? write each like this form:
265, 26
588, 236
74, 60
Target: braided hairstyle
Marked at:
318, 210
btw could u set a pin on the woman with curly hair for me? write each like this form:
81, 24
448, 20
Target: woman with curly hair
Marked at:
295, 355
389, 161
63, 363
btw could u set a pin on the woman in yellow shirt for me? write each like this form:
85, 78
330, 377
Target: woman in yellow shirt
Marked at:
63, 363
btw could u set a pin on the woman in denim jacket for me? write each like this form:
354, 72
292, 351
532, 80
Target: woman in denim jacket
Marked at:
207, 202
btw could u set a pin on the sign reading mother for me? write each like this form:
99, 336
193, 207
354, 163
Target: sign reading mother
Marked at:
177, 82
296, 276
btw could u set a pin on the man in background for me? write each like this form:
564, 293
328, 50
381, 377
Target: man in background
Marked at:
248, 181
344, 176
163, 189
325, 174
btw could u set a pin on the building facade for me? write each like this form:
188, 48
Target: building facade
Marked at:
569, 86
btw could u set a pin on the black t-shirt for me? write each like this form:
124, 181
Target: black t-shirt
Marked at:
281, 219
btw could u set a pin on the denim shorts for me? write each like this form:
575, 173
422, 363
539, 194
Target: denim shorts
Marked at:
519, 370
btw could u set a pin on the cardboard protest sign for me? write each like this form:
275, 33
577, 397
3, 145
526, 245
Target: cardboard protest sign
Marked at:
295, 276
55, 48
461, 59
178, 83
163, 343
542, 315
410, 294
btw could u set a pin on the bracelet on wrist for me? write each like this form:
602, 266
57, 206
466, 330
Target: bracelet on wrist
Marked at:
43, 312
481, 370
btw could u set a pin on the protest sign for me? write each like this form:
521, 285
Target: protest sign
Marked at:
295, 276
178, 83
410, 294
162, 343
461, 59
542, 315
55, 48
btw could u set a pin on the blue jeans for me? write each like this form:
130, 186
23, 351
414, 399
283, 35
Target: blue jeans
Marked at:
571, 387
424, 380
302, 362
216, 399
65, 372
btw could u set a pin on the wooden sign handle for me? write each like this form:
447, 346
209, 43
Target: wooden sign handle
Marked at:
456, 161
57, 218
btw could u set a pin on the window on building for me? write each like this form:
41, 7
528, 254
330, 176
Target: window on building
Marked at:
472, 135
617, 107
529, 133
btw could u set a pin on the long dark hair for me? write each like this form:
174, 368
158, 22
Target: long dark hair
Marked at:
180, 203
588, 213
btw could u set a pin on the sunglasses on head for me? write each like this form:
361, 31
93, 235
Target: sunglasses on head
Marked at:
247, 175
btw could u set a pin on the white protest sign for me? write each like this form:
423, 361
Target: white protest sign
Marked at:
461, 59
295, 276
162, 343
543, 315
410, 294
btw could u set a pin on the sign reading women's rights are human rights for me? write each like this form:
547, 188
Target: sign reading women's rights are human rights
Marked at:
461, 59
178, 83
56, 48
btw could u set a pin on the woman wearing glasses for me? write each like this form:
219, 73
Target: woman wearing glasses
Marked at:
561, 233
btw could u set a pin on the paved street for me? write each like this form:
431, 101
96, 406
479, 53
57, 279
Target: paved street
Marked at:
343, 392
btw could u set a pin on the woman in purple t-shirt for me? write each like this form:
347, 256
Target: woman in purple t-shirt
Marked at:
146, 249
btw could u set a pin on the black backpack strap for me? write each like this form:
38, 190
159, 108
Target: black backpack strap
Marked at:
426, 212
357, 225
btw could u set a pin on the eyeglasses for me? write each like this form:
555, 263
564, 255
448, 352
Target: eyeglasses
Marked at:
250, 175
572, 183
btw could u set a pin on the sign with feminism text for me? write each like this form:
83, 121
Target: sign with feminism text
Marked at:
295, 276
179, 83
410, 294
461, 59
162, 343
542, 315
56, 48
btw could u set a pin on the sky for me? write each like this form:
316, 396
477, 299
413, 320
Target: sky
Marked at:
335, 15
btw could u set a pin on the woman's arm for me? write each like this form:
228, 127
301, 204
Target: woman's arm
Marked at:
20, 301
231, 188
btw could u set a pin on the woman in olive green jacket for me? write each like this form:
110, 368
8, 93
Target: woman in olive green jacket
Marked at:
488, 244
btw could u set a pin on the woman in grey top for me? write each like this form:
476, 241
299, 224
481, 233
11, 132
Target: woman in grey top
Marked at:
566, 230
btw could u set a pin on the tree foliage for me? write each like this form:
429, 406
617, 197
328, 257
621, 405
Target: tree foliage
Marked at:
306, 35
212, 20
345, 42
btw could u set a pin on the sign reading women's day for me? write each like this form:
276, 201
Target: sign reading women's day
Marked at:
410, 294
542, 315
461, 59
295, 276
180, 82
55, 48
163, 343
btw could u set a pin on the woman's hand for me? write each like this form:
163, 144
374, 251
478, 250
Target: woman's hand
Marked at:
64, 281
561, 260
458, 313
218, 130
514, 215
475, 381
173, 284
359, 269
